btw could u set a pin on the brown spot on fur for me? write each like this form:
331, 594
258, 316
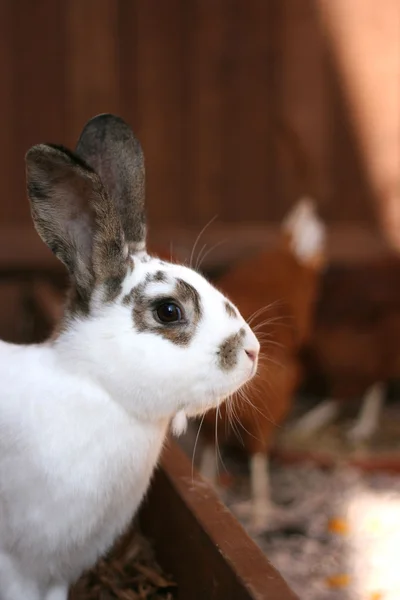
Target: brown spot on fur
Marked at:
228, 351
160, 276
127, 299
230, 310
112, 288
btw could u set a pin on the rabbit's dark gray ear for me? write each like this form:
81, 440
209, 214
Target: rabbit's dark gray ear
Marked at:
109, 146
75, 217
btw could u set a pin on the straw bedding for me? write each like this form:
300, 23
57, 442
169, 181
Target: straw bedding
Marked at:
128, 572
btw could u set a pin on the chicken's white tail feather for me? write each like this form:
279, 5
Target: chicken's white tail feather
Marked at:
306, 230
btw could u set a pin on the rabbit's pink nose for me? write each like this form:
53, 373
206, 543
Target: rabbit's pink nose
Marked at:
252, 354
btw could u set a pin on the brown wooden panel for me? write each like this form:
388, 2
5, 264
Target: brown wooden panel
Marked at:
302, 105
240, 106
13, 318
248, 160
92, 69
38, 92
7, 130
22, 249
205, 97
127, 59
160, 87
352, 196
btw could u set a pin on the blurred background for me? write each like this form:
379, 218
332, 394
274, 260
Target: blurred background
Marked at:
242, 109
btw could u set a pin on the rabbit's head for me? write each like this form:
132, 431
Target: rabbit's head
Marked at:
156, 335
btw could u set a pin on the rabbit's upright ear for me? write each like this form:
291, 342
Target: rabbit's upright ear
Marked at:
75, 217
109, 146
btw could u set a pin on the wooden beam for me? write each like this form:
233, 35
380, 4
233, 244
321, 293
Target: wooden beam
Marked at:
199, 541
345, 243
48, 300
22, 249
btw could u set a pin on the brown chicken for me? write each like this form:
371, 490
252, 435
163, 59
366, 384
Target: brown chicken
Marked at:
355, 344
285, 282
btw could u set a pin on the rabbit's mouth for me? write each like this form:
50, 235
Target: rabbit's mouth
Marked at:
253, 371
216, 395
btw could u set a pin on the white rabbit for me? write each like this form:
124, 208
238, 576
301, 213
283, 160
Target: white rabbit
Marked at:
83, 417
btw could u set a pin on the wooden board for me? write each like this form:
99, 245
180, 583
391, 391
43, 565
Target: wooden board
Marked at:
199, 541
21, 247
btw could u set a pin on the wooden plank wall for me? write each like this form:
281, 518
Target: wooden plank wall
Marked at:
238, 104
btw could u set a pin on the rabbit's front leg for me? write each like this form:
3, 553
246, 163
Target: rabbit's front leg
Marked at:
59, 592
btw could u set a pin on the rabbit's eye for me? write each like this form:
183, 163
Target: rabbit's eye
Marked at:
169, 312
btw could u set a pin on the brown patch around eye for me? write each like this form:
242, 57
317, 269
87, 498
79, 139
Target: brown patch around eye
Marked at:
179, 333
228, 351
177, 336
158, 276
230, 310
187, 293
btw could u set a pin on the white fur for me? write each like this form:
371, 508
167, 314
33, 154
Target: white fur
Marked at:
179, 423
82, 423
306, 230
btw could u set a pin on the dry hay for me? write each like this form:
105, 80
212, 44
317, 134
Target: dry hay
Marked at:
128, 572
